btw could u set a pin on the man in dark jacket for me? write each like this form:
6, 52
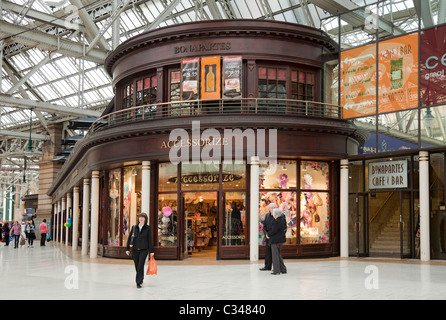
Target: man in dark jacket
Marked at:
140, 240
277, 238
267, 224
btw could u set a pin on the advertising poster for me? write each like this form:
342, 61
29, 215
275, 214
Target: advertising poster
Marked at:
232, 77
210, 78
398, 74
358, 81
189, 79
433, 66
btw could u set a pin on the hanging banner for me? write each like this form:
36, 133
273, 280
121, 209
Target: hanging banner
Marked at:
232, 77
189, 79
210, 78
433, 66
358, 81
398, 74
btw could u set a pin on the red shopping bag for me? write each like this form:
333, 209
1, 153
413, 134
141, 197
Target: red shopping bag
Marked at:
152, 268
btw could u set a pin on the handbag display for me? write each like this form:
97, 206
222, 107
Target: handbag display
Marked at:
152, 269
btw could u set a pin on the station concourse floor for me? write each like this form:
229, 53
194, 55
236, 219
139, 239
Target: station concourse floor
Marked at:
57, 273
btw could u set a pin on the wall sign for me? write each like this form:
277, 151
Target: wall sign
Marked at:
388, 175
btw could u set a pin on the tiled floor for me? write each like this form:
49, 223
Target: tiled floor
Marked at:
56, 273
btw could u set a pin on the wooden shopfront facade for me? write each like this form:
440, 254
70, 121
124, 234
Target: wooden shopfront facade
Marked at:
188, 92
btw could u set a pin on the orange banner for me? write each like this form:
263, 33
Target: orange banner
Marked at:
358, 81
398, 74
210, 78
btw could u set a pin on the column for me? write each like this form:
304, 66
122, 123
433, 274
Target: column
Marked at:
57, 222
85, 215
75, 227
94, 214
254, 210
424, 207
145, 188
54, 223
62, 218
344, 209
69, 198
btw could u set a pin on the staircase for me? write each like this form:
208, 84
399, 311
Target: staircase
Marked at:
387, 240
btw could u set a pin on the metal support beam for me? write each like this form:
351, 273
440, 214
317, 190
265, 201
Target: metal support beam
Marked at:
45, 106
163, 15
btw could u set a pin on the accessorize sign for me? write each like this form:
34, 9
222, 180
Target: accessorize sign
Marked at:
388, 175
189, 79
433, 66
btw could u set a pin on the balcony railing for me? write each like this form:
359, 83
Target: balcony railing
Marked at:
247, 106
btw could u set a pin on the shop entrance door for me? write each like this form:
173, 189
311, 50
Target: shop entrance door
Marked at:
199, 222
360, 225
389, 224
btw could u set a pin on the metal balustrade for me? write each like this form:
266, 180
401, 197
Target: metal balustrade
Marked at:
197, 108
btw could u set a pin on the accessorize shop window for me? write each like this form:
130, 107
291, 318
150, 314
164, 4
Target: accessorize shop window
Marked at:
314, 203
279, 174
168, 174
234, 219
131, 198
114, 207
234, 175
200, 176
167, 220
285, 201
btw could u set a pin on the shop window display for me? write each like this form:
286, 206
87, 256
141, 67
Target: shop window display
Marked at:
285, 201
167, 220
314, 204
114, 207
131, 198
234, 219
277, 174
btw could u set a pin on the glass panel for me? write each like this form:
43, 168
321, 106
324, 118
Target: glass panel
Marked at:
114, 207
199, 176
438, 225
277, 175
437, 170
315, 175
384, 224
405, 219
234, 175
314, 217
167, 177
286, 201
398, 124
355, 177
131, 199
234, 219
167, 220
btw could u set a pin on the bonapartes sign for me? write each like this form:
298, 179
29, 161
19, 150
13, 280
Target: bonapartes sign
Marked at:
388, 175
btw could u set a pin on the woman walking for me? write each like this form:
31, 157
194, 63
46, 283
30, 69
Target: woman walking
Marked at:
43, 232
30, 233
277, 239
140, 240
15, 233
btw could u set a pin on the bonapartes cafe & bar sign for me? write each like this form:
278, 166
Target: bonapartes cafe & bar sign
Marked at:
388, 175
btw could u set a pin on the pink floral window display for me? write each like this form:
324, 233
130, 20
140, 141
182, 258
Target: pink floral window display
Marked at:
314, 203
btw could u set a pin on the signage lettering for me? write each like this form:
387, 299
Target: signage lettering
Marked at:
216, 46
388, 175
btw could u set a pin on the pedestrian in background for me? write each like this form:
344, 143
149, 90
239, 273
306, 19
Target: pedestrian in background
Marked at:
43, 232
15, 233
277, 238
30, 233
267, 225
5, 231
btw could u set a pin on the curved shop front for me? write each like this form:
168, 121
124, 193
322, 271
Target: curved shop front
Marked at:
211, 123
